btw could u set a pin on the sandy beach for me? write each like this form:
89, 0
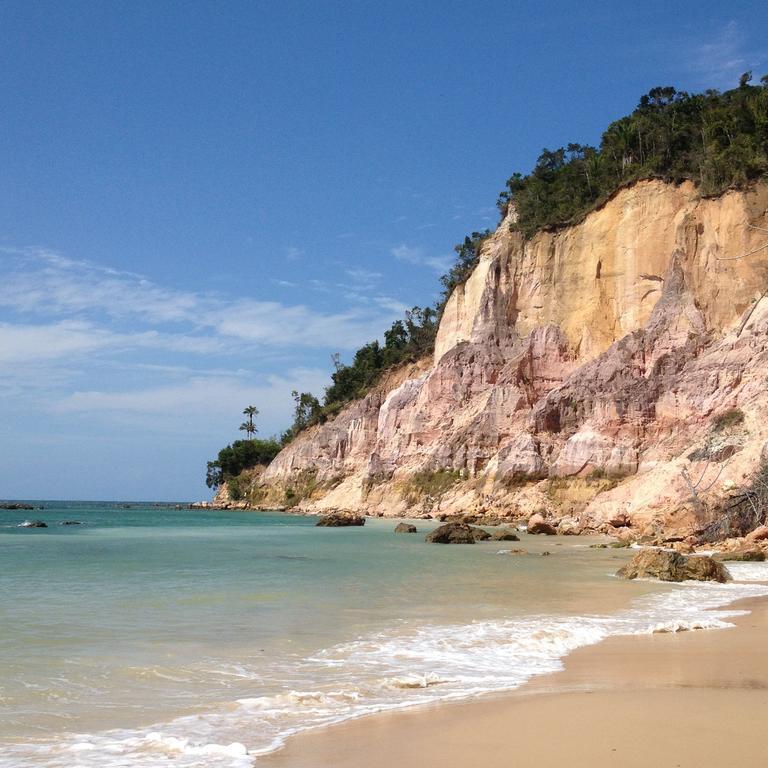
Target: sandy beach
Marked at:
670, 700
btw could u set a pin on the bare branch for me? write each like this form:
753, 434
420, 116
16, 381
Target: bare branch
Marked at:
743, 255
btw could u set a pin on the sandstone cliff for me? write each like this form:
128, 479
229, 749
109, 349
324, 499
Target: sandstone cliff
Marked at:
580, 373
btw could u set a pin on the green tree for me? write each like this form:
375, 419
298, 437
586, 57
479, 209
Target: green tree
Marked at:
248, 426
240, 455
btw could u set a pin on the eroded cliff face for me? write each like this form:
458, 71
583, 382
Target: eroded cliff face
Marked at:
574, 373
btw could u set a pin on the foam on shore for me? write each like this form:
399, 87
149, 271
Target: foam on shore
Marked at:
402, 667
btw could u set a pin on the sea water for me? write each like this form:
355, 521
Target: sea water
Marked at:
151, 636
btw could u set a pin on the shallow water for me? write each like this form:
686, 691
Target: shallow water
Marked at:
152, 635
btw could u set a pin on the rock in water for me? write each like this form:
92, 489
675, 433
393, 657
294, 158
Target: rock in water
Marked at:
504, 534
537, 524
480, 534
453, 533
33, 524
672, 566
743, 556
405, 528
339, 520
70, 522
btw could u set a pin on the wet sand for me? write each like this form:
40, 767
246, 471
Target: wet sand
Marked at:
667, 700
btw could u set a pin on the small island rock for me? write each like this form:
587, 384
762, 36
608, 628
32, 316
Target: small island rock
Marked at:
405, 528
33, 524
504, 534
339, 520
672, 566
453, 533
537, 525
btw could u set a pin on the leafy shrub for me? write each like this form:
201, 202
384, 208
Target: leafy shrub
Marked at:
242, 454
731, 418
433, 483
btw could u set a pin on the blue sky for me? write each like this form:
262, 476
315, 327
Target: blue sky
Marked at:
201, 202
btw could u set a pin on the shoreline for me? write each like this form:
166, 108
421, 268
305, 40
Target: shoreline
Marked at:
671, 699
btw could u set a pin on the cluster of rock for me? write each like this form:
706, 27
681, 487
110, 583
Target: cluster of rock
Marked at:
43, 524
17, 505
672, 566
463, 533
457, 533
340, 520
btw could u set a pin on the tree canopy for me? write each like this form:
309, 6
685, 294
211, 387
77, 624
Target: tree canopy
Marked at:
717, 140
242, 454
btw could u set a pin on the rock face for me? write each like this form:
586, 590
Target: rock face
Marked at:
405, 528
455, 533
580, 372
672, 566
340, 520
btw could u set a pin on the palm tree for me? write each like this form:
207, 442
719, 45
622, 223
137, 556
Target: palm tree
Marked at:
248, 426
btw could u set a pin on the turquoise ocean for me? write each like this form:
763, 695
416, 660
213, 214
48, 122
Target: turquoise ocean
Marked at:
153, 636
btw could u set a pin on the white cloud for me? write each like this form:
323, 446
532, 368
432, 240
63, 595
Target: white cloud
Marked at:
720, 60
100, 300
199, 401
365, 276
21, 344
415, 255
407, 253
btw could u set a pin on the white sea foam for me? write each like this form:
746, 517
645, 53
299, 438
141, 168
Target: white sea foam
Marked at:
748, 571
388, 670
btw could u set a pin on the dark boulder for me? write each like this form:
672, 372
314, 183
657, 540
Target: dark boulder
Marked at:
504, 534
538, 525
405, 528
339, 520
33, 524
70, 522
672, 566
453, 533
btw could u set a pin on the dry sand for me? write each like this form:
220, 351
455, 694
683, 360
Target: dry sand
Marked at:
668, 701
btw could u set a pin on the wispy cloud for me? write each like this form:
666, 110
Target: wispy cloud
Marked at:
195, 395
91, 307
721, 59
416, 255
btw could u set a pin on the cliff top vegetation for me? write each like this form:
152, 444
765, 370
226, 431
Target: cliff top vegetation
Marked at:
717, 140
